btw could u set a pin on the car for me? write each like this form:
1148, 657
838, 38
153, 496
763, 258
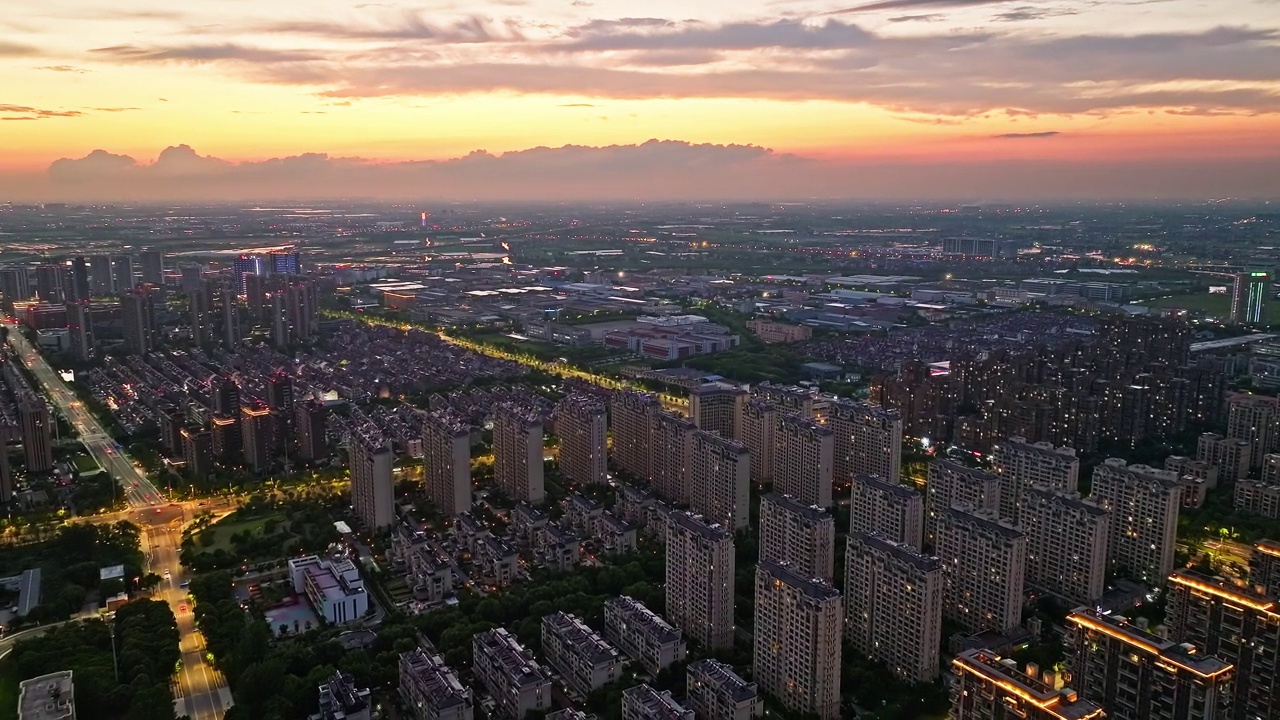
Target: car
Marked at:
135, 484
182, 607
158, 510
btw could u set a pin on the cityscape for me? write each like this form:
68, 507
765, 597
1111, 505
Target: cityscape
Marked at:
476, 469
590, 360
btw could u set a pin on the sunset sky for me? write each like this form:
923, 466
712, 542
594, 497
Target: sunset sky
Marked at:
923, 82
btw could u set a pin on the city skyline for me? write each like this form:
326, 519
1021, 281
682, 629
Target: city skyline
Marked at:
897, 99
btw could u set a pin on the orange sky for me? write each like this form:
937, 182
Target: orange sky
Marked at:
911, 80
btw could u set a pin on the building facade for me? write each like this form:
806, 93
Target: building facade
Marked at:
1144, 504
797, 640
581, 422
719, 480
803, 455
893, 605
699, 579
867, 441
803, 536
1067, 541
984, 566
895, 511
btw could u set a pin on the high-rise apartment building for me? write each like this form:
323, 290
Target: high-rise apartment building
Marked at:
757, 424
201, 313
103, 283
372, 492
984, 564
699, 579
803, 453
951, 484
446, 461
671, 465
515, 681
867, 441
988, 687
642, 702
7, 431
797, 640
1021, 465
37, 433
584, 660
431, 690
720, 480
258, 431
80, 327
153, 267
1144, 504
803, 536
228, 315
1067, 541
79, 288
1256, 420
893, 605
14, 286
137, 317
716, 692
280, 403
197, 452
893, 510
49, 283
1264, 567
716, 407
309, 421
1235, 625
1230, 456
1139, 676
643, 635
122, 273
581, 422
632, 416
228, 444
517, 453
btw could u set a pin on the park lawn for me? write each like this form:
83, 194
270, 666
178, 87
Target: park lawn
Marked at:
1218, 306
223, 531
85, 463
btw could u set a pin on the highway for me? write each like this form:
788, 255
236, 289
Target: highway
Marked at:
199, 690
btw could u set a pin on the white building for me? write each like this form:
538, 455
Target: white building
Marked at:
333, 587
716, 692
799, 534
512, 676
584, 660
431, 689
643, 635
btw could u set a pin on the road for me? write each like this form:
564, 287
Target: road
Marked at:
199, 690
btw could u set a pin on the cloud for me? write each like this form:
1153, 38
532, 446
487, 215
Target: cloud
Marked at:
927, 17
32, 113
203, 54
1016, 136
13, 49
832, 34
115, 109
911, 4
654, 170
63, 69
407, 25
1025, 13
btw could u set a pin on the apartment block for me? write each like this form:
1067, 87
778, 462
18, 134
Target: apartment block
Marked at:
719, 480
988, 687
517, 453
797, 640
1258, 498
510, 673
1021, 465
715, 408
893, 510
672, 461
1198, 469
642, 702
1231, 456
632, 416
1264, 567
1270, 469
757, 425
1139, 676
1067, 541
1236, 625
984, 564
431, 690
951, 484
867, 441
372, 491
446, 462
1143, 503
893, 605
716, 692
585, 661
699, 579
801, 535
777, 332
645, 636
795, 399
581, 422
1256, 420
803, 454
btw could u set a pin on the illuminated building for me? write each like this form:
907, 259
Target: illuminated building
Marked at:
1250, 292
517, 453
137, 314
643, 634
719, 480
988, 687
757, 424
632, 416
581, 423
446, 461
716, 692
1264, 567
510, 673
258, 430
951, 484
715, 407
867, 441
671, 464
1232, 457
893, 605
1067, 540
372, 492
802, 459
197, 451
1144, 504
1021, 465
984, 564
797, 640
1139, 676
1256, 420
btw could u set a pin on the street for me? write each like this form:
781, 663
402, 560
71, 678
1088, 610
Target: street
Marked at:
199, 690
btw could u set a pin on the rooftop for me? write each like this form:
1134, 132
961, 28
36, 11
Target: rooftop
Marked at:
790, 504
723, 677
691, 523
635, 611
900, 552
509, 656
48, 697
882, 485
584, 641
812, 587
435, 679
1183, 656
1062, 704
